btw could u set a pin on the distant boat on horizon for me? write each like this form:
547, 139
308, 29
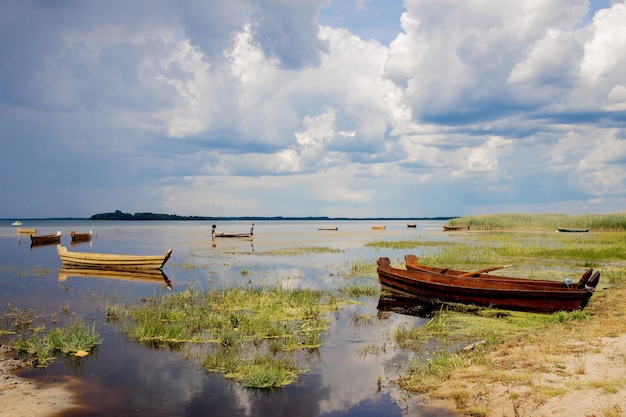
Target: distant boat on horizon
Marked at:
16, 223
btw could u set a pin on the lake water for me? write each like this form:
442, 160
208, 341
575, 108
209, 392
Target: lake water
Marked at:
126, 378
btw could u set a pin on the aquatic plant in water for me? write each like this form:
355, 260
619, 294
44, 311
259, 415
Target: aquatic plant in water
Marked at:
250, 335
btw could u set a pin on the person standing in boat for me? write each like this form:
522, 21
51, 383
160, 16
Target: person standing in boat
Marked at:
213, 230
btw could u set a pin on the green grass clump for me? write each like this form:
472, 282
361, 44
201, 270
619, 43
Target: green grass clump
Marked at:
243, 328
73, 337
404, 244
265, 372
298, 251
360, 289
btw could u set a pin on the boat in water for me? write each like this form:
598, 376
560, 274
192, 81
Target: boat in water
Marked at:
81, 237
571, 230
215, 233
37, 240
456, 228
111, 261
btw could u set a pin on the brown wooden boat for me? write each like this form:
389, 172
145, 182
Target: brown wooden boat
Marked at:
456, 228
413, 225
328, 228
45, 239
111, 261
81, 237
436, 288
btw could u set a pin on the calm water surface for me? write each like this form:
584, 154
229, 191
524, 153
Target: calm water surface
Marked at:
125, 378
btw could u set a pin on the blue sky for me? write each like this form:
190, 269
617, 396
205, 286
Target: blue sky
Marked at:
330, 108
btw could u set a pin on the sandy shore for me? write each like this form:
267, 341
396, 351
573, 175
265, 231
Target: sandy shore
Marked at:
20, 397
590, 380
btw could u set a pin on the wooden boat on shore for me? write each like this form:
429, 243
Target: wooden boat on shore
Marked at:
439, 287
456, 228
45, 239
146, 275
215, 233
81, 237
379, 227
412, 225
111, 261
571, 230
26, 231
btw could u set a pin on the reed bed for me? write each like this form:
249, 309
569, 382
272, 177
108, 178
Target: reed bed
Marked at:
545, 221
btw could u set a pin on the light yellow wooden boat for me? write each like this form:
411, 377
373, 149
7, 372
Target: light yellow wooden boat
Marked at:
111, 261
26, 231
379, 227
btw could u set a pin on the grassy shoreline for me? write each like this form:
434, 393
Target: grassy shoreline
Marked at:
500, 340
544, 221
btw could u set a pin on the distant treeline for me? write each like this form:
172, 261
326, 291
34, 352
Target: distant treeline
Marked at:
119, 215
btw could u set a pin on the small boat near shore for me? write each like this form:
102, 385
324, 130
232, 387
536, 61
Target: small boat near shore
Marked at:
111, 261
379, 227
81, 237
215, 233
456, 228
45, 239
412, 225
328, 228
571, 230
23, 231
510, 293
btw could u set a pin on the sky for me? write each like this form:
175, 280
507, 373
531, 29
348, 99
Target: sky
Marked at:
338, 108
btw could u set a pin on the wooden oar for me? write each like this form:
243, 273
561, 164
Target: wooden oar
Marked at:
482, 271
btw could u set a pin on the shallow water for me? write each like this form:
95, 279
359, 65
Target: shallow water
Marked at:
126, 378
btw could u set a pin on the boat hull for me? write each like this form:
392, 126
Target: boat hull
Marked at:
111, 261
570, 230
45, 239
235, 235
455, 228
80, 237
436, 288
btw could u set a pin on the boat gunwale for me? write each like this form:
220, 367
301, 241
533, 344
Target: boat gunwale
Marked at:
411, 264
